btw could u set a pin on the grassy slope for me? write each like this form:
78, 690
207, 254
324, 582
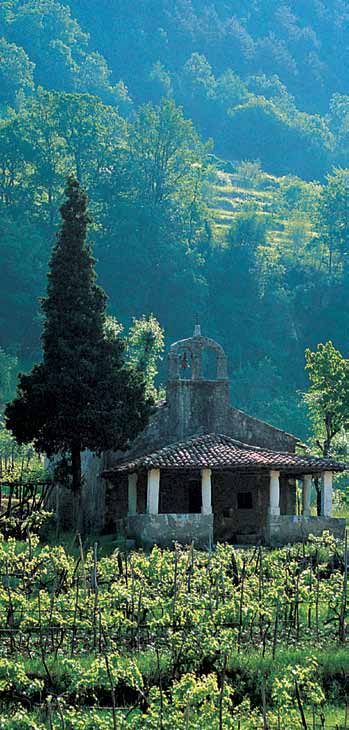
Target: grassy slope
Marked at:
230, 195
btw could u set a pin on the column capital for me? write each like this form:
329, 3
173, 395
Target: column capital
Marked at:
206, 471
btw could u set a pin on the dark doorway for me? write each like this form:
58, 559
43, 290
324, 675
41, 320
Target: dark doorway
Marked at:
195, 499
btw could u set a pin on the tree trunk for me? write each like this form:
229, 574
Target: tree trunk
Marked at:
318, 496
329, 433
76, 485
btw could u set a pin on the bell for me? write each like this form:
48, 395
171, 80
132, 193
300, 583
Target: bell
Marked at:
184, 361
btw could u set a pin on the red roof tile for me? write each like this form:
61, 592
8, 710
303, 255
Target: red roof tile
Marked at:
215, 451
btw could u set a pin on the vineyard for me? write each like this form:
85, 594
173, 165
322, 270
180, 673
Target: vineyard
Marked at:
173, 639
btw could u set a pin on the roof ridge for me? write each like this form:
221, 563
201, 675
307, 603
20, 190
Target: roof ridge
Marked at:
252, 447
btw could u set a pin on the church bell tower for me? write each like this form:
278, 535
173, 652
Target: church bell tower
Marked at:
198, 400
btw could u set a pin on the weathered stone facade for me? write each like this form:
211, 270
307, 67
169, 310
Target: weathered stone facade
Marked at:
297, 528
167, 529
234, 524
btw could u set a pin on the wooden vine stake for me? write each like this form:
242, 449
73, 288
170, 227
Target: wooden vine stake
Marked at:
300, 706
264, 706
221, 694
342, 622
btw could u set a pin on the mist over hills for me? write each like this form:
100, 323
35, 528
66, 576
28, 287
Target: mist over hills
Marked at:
268, 65
306, 44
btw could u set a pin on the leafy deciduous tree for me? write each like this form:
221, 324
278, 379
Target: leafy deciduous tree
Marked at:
333, 215
328, 395
145, 343
16, 72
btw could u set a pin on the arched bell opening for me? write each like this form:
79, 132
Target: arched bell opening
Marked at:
209, 362
185, 364
197, 358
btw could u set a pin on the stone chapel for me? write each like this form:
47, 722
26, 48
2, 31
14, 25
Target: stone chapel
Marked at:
205, 471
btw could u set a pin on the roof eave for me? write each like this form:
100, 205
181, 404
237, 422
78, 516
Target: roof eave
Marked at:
250, 468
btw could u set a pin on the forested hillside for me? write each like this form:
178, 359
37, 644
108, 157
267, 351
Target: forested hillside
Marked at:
213, 144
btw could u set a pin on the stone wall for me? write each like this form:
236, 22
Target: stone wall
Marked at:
165, 530
154, 436
289, 529
175, 492
116, 503
196, 406
61, 503
250, 430
231, 523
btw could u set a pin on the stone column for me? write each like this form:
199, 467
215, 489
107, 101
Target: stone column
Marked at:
153, 487
326, 494
206, 490
132, 494
274, 493
307, 479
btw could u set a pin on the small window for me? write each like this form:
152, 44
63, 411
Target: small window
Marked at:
245, 500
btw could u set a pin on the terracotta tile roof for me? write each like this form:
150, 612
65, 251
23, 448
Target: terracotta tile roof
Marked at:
216, 451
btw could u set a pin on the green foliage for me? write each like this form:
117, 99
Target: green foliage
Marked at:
250, 173
72, 99
193, 700
230, 89
339, 123
13, 678
180, 638
168, 156
298, 685
328, 395
8, 373
83, 395
293, 135
154, 210
145, 345
197, 74
333, 220
16, 72
248, 231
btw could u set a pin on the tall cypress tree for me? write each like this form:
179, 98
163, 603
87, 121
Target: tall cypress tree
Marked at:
83, 395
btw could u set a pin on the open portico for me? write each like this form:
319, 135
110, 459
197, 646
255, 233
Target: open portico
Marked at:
213, 487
